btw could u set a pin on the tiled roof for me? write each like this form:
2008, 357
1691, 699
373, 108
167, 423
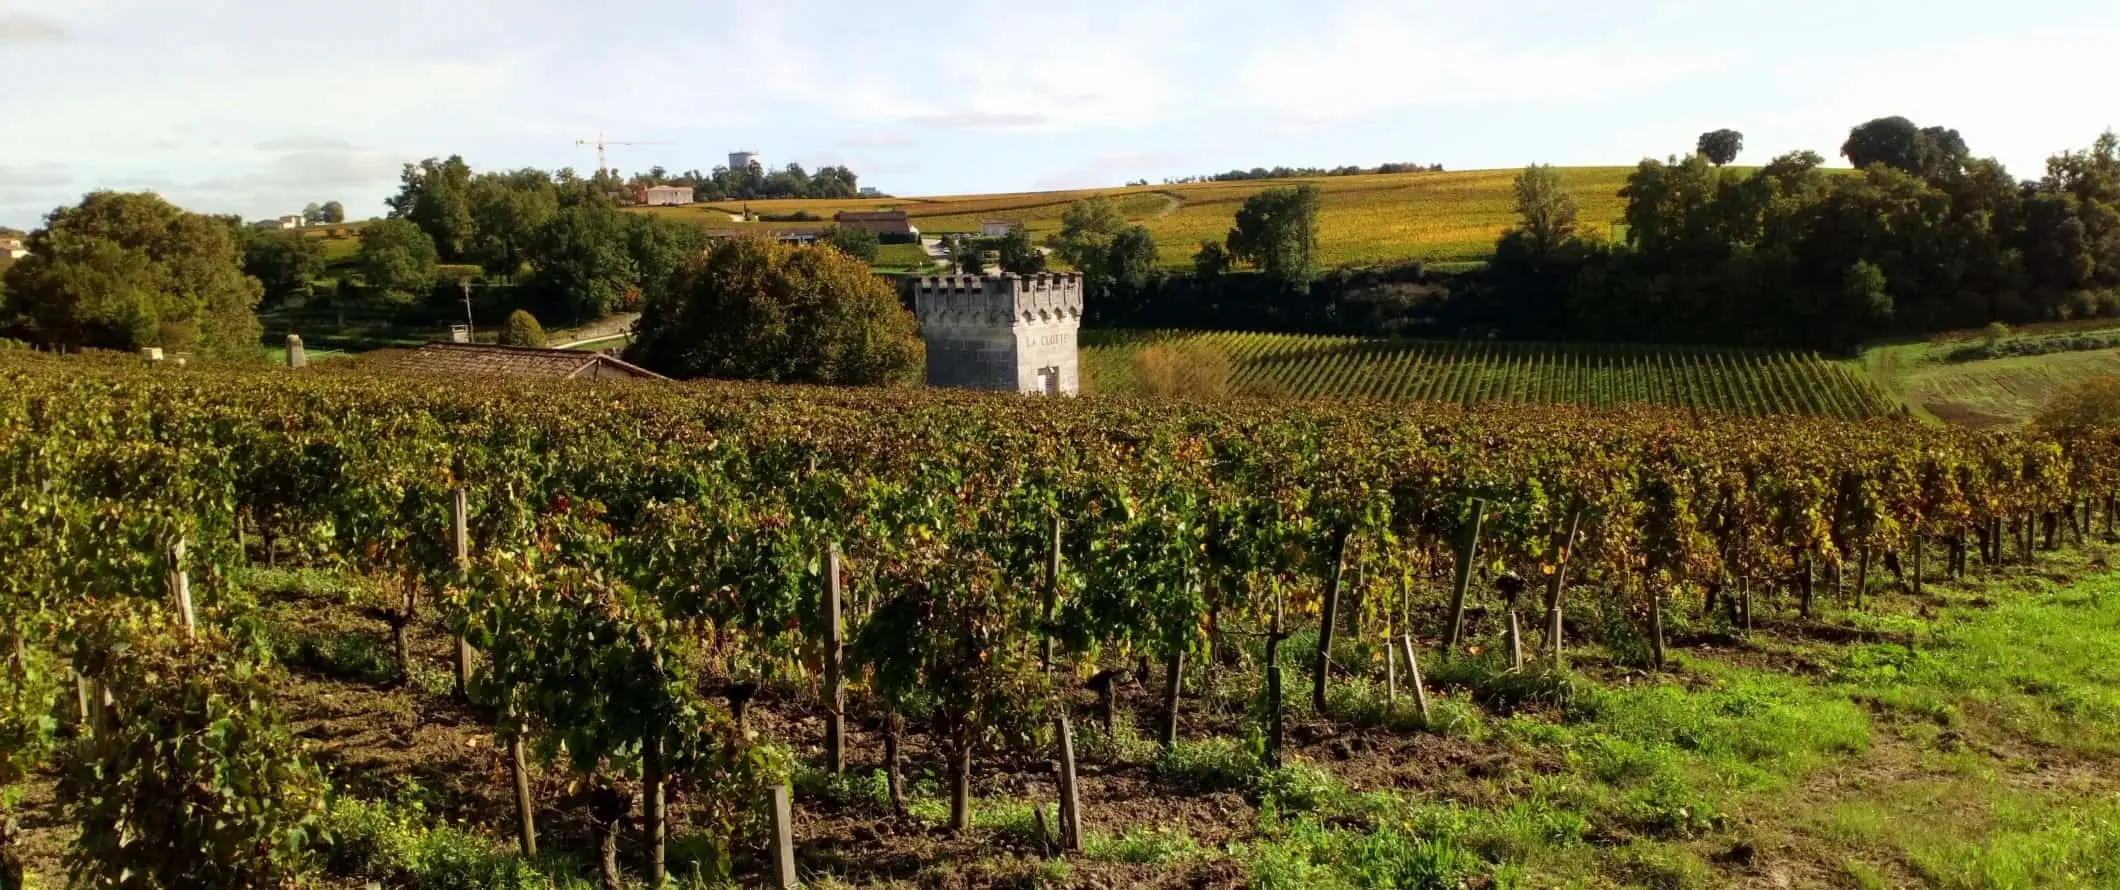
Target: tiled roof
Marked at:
515, 361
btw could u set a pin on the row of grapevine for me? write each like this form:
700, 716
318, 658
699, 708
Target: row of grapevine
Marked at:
1733, 381
636, 553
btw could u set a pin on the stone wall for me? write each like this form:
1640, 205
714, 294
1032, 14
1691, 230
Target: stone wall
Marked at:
1003, 332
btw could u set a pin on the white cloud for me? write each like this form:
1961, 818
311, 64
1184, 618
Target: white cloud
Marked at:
22, 29
1376, 56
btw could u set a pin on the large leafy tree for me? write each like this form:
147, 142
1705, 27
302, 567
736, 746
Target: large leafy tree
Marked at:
123, 271
1277, 230
397, 261
1927, 152
754, 309
508, 211
582, 265
1019, 255
284, 262
1721, 147
1087, 228
436, 196
334, 212
1546, 210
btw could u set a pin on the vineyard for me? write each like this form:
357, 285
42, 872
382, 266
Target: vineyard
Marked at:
1362, 220
665, 609
1734, 381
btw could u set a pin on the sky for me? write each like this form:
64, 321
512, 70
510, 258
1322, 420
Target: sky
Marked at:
259, 107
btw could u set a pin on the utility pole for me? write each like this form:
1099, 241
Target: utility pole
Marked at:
469, 331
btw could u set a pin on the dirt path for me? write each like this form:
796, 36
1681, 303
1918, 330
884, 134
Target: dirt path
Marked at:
603, 329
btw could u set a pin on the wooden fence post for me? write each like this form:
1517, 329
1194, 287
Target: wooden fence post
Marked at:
835, 726
1468, 552
180, 590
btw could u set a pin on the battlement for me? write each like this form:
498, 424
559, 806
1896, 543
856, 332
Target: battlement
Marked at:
1001, 301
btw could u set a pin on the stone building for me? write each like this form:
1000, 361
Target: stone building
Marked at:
1002, 332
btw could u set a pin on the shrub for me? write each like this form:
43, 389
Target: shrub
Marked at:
757, 310
522, 329
1193, 371
197, 782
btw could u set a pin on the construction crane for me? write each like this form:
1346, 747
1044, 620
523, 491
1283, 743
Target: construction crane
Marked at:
599, 142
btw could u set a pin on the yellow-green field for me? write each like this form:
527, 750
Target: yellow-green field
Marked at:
1987, 392
1739, 381
1446, 217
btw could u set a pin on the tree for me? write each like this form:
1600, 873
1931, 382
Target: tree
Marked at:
1277, 230
583, 266
284, 262
969, 255
1211, 260
1721, 146
522, 329
312, 214
1546, 211
1018, 255
754, 309
660, 248
1129, 265
1896, 142
860, 244
123, 271
1087, 228
508, 210
436, 196
334, 213
396, 261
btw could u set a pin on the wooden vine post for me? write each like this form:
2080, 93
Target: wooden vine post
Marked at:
460, 524
1862, 577
1052, 599
1557, 582
1173, 687
525, 810
1274, 690
1070, 791
180, 591
784, 877
1326, 622
1921, 543
1468, 552
835, 719
1413, 678
654, 823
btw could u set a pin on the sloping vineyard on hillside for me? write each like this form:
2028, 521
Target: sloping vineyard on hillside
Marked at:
1731, 381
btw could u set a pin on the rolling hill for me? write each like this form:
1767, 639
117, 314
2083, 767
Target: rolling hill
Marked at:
1449, 217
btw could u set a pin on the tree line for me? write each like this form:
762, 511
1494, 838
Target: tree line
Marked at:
1924, 237
1286, 172
754, 181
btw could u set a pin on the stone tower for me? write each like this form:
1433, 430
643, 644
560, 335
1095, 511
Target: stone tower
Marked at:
1005, 332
